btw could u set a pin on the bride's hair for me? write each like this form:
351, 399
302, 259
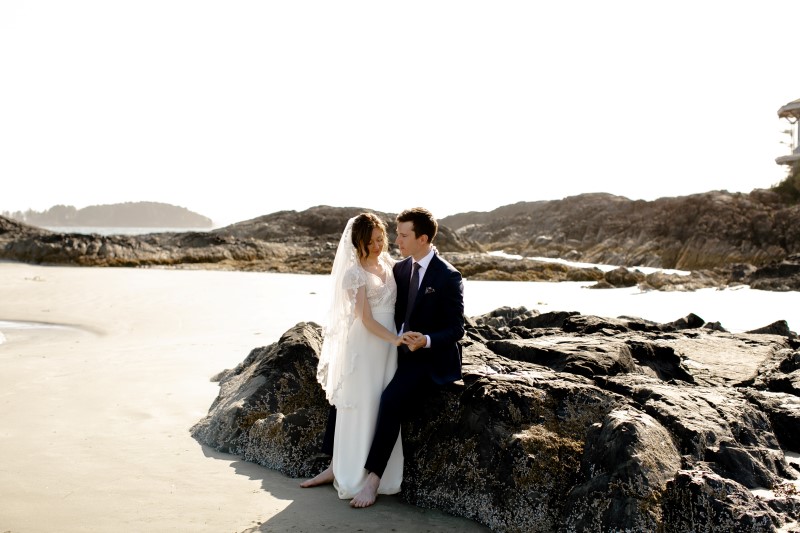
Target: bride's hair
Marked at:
362, 232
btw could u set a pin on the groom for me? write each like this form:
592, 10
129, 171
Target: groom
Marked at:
430, 312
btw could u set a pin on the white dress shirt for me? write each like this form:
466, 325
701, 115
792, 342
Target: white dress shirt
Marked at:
423, 266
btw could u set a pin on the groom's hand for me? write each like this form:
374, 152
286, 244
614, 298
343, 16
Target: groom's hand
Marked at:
414, 340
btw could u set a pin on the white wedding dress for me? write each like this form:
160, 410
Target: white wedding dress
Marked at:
374, 362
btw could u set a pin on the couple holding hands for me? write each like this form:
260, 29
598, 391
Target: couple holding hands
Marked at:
391, 333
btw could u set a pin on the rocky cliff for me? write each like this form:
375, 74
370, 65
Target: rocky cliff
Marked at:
722, 238
286, 241
563, 422
701, 231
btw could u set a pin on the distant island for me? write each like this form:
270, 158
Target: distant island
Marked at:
127, 214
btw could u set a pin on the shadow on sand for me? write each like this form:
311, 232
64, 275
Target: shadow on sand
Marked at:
320, 509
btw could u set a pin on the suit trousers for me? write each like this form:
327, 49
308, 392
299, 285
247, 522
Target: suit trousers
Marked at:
398, 401
330, 431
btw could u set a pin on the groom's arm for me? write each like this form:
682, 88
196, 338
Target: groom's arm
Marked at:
449, 313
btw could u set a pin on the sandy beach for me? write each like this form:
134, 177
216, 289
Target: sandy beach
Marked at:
96, 412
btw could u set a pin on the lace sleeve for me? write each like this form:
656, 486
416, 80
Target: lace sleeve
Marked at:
354, 278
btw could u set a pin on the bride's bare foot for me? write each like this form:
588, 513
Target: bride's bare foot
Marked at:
368, 494
321, 479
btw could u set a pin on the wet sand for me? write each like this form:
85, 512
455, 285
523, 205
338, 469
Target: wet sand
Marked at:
94, 430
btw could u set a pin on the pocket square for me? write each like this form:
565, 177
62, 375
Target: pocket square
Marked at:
429, 290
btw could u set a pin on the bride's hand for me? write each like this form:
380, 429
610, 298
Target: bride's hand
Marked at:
411, 339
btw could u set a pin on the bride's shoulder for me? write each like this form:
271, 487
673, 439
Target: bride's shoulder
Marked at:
354, 276
355, 270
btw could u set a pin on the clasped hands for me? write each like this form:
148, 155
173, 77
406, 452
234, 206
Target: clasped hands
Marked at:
413, 339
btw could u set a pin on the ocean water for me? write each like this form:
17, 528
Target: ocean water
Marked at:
282, 300
16, 324
738, 309
6, 325
298, 297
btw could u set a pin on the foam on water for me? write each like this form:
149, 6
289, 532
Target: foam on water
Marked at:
18, 324
604, 268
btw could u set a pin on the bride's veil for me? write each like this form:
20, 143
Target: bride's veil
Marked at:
334, 361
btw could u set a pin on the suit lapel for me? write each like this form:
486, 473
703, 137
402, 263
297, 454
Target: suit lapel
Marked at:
404, 273
403, 277
427, 277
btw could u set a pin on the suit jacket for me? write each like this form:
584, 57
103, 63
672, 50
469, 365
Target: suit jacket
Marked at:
438, 312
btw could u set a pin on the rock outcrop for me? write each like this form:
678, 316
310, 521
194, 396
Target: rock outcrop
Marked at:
783, 275
286, 241
696, 232
563, 422
721, 238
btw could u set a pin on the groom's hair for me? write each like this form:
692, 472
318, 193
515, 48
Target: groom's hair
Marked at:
422, 220
362, 232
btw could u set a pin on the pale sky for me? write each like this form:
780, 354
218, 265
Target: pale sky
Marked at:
238, 109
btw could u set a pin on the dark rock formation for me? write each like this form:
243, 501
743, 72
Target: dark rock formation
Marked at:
325, 224
721, 238
700, 500
783, 275
287, 241
563, 422
481, 266
165, 249
702, 231
11, 230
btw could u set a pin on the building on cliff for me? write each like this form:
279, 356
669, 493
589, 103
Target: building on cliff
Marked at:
791, 112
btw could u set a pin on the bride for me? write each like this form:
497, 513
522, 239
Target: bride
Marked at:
359, 356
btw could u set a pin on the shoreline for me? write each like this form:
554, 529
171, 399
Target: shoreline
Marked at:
97, 415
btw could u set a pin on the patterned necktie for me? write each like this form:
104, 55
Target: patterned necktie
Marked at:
413, 287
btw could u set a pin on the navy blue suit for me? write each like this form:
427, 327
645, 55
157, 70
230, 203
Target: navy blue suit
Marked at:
439, 313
